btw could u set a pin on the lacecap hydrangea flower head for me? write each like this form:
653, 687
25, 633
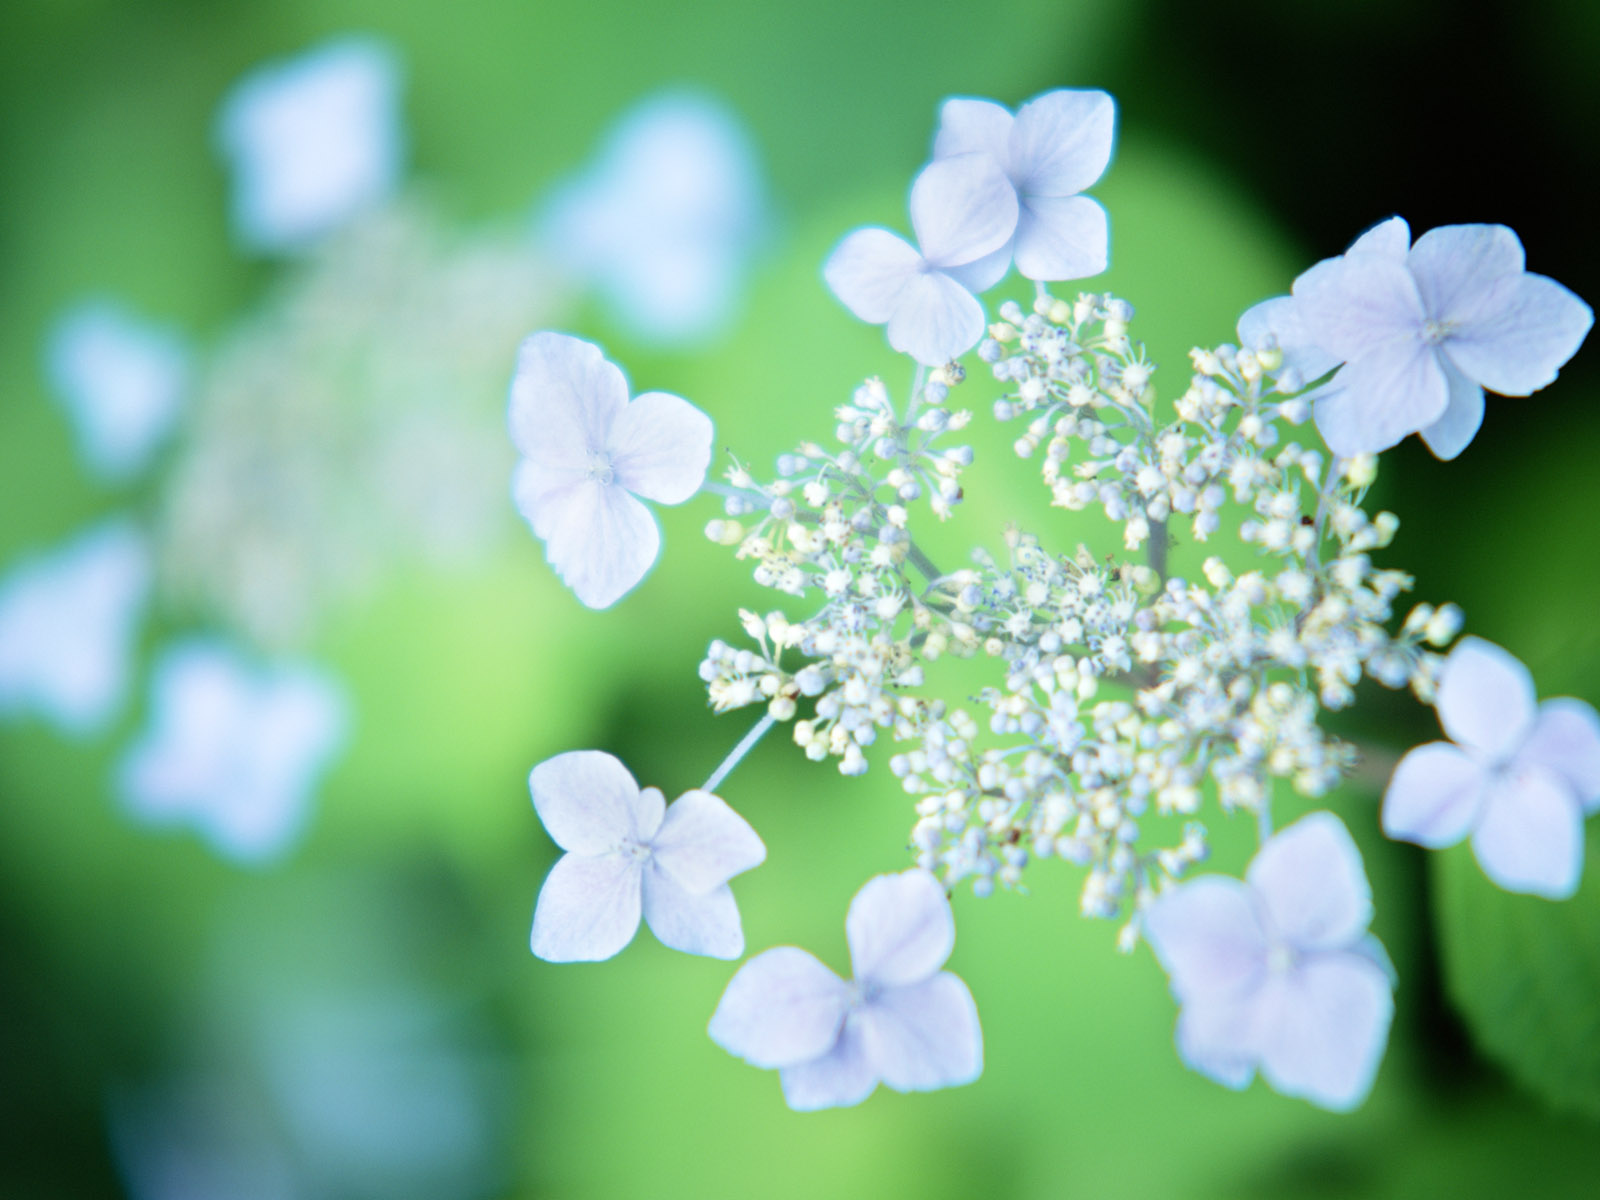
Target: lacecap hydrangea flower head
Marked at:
1130, 706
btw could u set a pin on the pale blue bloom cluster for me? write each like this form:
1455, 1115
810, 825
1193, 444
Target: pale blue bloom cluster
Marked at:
1129, 700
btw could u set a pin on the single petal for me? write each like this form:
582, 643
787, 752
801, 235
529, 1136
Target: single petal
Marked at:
1434, 796
586, 800
783, 1007
707, 923
588, 908
649, 808
936, 319
602, 542
981, 274
973, 127
1062, 238
660, 447
1311, 882
704, 843
1387, 239
838, 1079
1530, 837
542, 491
1276, 322
1377, 399
1521, 336
925, 1036
869, 272
962, 208
1456, 266
1486, 700
1216, 1036
564, 396
1060, 144
1463, 414
1207, 935
900, 929
1355, 304
1323, 1028
1566, 739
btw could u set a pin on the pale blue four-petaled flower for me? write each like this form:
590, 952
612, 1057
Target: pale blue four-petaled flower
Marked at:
1055, 146
312, 141
233, 751
122, 381
68, 619
588, 453
627, 853
1277, 972
902, 1021
1518, 776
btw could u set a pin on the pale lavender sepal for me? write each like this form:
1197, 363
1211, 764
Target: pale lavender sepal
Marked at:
962, 208
1521, 336
565, 395
587, 801
1062, 238
1434, 797
1323, 1029
660, 447
1356, 305
703, 843
1565, 738
869, 270
588, 908
1463, 415
981, 274
1486, 700
1388, 239
968, 126
1277, 322
1061, 144
1457, 267
540, 492
1215, 1036
936, 320
1530, 837
696, 923
923, 1036
781, 1009
1208, 937
900, 929
1391, 390
602, 542
842, 1077
1312, 883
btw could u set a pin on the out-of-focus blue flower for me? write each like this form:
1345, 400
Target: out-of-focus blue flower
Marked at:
67, 624
233, 751
666, 220
122, 381
1277, 972
312, 141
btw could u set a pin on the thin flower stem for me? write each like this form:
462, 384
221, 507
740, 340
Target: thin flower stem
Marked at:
923, 563
1264, 820
746, 744
1156, 549
727, 489
918, 378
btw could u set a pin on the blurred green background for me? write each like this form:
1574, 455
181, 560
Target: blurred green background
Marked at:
1254, 139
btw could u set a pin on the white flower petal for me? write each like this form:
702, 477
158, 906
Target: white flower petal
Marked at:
541, 493
962, 208
588, 908
1377, 399
1522, 336
1463, 414
706, 923
783, 1007
587, 801
1486, 700
1208, 937
981, 274
564, 397
1530, 837
1323, 1029
1566, 739
660, 446
1387, 239
1216, 1036
1457, 266
1062, 238
1060, 144
1310, 879
1353, 305
936, 319
602, 542
838, 1079
900, 929
869, 271
924, 1036
1277, 322
973, 127
704, 843
1434, 796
